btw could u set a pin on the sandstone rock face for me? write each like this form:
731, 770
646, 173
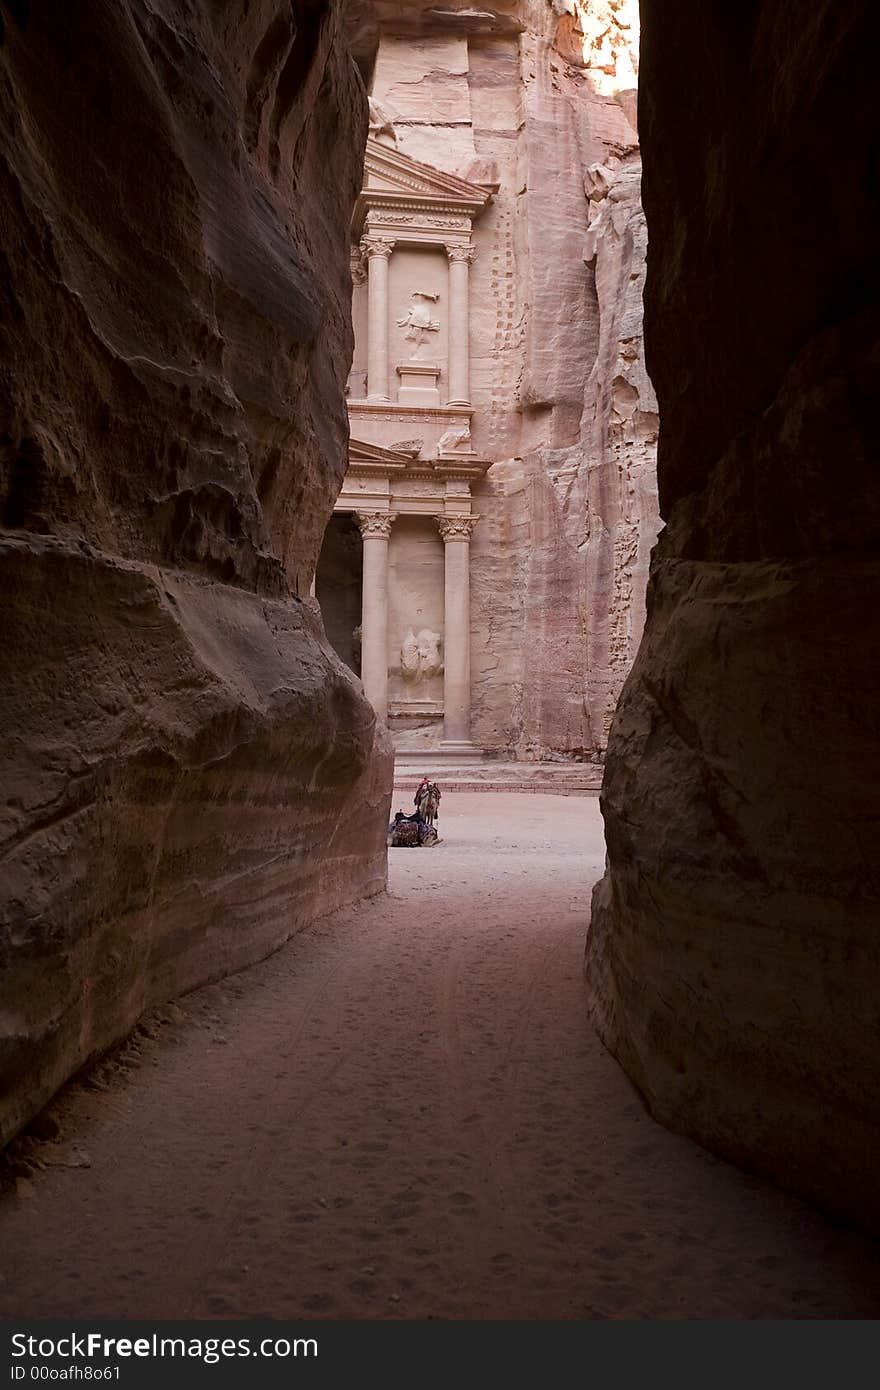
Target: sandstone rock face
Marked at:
733, 959
574, 510
189, 774
535, 100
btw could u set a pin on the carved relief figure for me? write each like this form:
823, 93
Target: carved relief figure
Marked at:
382, 123
418, 321
420, 657
456, 439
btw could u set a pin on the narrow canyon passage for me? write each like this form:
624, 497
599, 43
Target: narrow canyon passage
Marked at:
405, 1114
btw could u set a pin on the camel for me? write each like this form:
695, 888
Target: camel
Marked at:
427, 800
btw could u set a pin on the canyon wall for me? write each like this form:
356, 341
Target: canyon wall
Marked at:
733, 959
536, 98
189, 774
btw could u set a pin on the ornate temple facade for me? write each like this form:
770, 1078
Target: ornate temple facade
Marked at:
411, 462
484, 569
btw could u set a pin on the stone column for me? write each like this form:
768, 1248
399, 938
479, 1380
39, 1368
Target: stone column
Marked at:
456, 532
378, 254
375, 528
461, 258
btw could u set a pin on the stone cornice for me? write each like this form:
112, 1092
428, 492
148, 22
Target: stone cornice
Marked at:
423, 469
396, 411
385, 201
374, 461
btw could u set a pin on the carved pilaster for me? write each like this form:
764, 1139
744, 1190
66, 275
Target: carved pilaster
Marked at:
375, 529
461, 258
456, 532
377, 251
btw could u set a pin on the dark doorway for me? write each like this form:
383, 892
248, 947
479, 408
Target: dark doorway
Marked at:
338, 581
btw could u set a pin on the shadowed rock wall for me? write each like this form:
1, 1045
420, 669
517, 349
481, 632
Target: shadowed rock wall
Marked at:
189, 774
733, 959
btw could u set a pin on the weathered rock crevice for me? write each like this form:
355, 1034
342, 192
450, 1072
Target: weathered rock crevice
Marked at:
189, 775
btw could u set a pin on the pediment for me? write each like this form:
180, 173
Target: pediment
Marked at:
375, 456
390, 174
370, 460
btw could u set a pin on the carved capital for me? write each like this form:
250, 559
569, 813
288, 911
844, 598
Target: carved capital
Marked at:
456, 528
358, 269
375, 524
467, 254
376, 246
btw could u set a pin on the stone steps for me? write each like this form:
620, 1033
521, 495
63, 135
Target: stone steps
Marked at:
560, 779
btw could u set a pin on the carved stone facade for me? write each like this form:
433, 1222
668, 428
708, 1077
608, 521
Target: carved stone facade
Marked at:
411, 462
498, 258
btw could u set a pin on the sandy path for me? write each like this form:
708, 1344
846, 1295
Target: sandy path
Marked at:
405, 1114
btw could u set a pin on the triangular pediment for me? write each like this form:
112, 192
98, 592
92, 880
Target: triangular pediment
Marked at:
388, 171
375, 455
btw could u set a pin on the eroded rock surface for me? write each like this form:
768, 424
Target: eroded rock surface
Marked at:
733, 959
188, 772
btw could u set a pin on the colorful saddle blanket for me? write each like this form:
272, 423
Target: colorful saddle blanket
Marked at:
410, 832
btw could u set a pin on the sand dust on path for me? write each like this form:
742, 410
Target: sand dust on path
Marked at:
404, 1114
